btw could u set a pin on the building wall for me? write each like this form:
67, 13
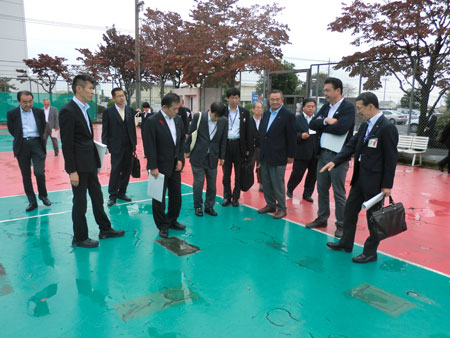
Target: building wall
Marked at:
13, 39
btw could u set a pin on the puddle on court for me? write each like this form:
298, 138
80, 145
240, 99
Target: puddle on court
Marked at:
394, 265
178, 246
154, 302
380, 299
5, 284
312, 263
84, 287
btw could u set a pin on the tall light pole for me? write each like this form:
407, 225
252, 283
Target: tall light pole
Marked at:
138, 5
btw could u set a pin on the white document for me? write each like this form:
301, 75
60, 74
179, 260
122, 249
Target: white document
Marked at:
155, 186
101, 150
333, 142
55, 133
374, 200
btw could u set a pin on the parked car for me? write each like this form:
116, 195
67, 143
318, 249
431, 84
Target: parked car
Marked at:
395, 117
414, 124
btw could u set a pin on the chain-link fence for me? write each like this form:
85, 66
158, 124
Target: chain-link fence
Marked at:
398, 101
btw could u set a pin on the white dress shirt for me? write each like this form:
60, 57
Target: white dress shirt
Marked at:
212, 127
308, 119
171, 124
257, 121
233, 124
84, 108
46, 111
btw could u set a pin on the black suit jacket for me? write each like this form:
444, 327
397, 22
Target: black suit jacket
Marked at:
431, 124
80, 153
305, 149
245, 140
216, 146
113, 134
182, 111
445, 136
14, 122
376, 170
346, 121
255, 132
277, 143
161, 152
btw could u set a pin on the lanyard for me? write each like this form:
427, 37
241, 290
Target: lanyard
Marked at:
212, 132
232, 121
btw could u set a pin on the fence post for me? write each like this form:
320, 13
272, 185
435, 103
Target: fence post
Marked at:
411, 97
360, 77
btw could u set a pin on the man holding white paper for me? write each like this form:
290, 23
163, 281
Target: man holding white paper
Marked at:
334, 125
375, 149
163, 148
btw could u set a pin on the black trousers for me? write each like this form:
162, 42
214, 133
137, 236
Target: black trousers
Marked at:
120, 173
298, 170
445, 161
234, 157
88, 183
199, 174
32, 152
352, 208
173, 185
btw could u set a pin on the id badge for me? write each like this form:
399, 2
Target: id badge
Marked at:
373, 142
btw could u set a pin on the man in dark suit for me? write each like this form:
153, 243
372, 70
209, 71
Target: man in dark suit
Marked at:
52, 123
119, 134
334, 125
238, 147
375, 149
164, 148
305, 153
257, 110
27, 125
429, 129
208, 150
444, 138
183, 113
81, 163
145, 114
277, 141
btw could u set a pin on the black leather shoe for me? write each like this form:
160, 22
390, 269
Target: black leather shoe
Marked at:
31, 206
235, 203
110, 233
178, 226
339, 232
226, 202
338, 247
289, 194
124, 198
266, 210
164, 233
364, 259
45, 200
317, 224
441, 167
87, 243
308, 199
198, 212
211, 211
111, 202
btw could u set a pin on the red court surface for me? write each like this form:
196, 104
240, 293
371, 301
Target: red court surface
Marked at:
424, 193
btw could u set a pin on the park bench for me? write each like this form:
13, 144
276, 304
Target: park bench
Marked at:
414, 145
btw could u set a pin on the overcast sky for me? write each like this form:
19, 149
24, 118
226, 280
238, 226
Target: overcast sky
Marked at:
311, 41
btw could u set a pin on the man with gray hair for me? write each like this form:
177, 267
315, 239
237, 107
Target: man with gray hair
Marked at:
51, 122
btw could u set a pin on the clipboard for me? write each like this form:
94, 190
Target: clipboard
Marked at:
333, 142
101, 150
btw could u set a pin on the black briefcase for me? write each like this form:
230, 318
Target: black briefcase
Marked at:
135, 166
389, 220
247, 175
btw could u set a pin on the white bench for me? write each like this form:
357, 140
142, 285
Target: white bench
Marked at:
415, 145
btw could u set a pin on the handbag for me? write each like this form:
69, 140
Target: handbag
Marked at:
389, 220
135, 166
247, 175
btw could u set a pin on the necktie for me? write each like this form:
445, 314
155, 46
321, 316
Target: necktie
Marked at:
122, 114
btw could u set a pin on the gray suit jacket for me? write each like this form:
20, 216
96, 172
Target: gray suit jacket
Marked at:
216, 146
53, 120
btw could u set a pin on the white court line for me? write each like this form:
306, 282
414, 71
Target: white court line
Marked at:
69, 211
248, 206
104, 185
381, 252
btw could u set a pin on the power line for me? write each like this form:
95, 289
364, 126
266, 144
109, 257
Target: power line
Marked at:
12, 39
57, 23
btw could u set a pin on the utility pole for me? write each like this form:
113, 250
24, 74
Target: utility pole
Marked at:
138, 5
